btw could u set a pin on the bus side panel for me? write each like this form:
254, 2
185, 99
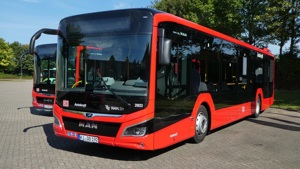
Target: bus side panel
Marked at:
218, 117
225, 116
172, 134
266, 103
231, 114
244, 110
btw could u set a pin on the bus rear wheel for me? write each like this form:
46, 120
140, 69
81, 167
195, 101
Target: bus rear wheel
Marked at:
201, 125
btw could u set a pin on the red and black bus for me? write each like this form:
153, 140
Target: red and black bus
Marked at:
145, 79
44, 77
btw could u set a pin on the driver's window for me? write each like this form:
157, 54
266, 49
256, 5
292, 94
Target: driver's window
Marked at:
172, 80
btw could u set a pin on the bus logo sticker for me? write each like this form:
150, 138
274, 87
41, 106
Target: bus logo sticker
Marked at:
66, 103
80, 105
107, 107
173, 135
113, 108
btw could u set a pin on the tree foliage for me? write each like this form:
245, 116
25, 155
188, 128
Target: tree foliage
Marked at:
10, 58
283, 21
6, 56
27, 60
254, 29
218, 15
258, 22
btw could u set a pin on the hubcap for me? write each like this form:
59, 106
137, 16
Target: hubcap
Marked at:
257, 109
201, 123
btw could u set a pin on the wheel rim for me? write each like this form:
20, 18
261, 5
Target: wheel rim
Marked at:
201, 123
257, 108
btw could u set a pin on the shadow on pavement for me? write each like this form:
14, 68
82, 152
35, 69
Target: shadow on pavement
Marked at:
288, 126
98, 150
37, 111
41, 112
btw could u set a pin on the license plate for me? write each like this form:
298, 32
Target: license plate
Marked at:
48, 106
89, 139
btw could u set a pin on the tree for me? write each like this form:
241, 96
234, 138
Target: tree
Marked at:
283, 21
17, 51
252, 22
6, 57
222, 16
27, 61
27, 64
227, 17
294, 26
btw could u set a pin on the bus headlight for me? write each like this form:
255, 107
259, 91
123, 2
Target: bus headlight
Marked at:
135, 131
140, 129
56, 121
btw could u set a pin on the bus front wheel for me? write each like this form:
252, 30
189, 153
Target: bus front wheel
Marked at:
201, 125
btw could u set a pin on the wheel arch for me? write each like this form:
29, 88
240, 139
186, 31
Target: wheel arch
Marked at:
205, 99
206, 105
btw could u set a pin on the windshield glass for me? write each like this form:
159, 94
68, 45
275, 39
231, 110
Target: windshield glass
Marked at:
44, 64
106, 57
115, 60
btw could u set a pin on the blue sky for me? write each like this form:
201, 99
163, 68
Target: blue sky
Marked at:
20, 19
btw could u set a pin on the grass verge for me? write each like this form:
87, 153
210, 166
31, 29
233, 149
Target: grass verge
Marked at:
288, 100
4, 76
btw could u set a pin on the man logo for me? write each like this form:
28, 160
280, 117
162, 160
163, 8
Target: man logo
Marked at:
89, 115
88, 125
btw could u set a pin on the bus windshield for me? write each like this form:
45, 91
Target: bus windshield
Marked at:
44, 64
105, 59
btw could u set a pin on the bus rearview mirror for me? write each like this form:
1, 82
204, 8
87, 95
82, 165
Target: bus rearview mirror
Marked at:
164, 48
38, 34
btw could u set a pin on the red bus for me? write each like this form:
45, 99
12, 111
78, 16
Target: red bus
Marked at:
145, 79
43, 91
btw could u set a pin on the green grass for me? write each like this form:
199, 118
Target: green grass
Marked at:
4, 76
288, 100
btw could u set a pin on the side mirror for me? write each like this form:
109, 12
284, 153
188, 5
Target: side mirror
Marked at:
38, 34
164, 48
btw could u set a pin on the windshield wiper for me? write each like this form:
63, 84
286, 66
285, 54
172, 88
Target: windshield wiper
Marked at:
117, 96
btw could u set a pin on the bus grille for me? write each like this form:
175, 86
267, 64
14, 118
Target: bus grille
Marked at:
91, 127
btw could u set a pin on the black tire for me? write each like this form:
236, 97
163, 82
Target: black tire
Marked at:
257, 109
201, 125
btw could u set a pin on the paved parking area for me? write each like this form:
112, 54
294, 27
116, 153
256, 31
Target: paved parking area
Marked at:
27, 141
